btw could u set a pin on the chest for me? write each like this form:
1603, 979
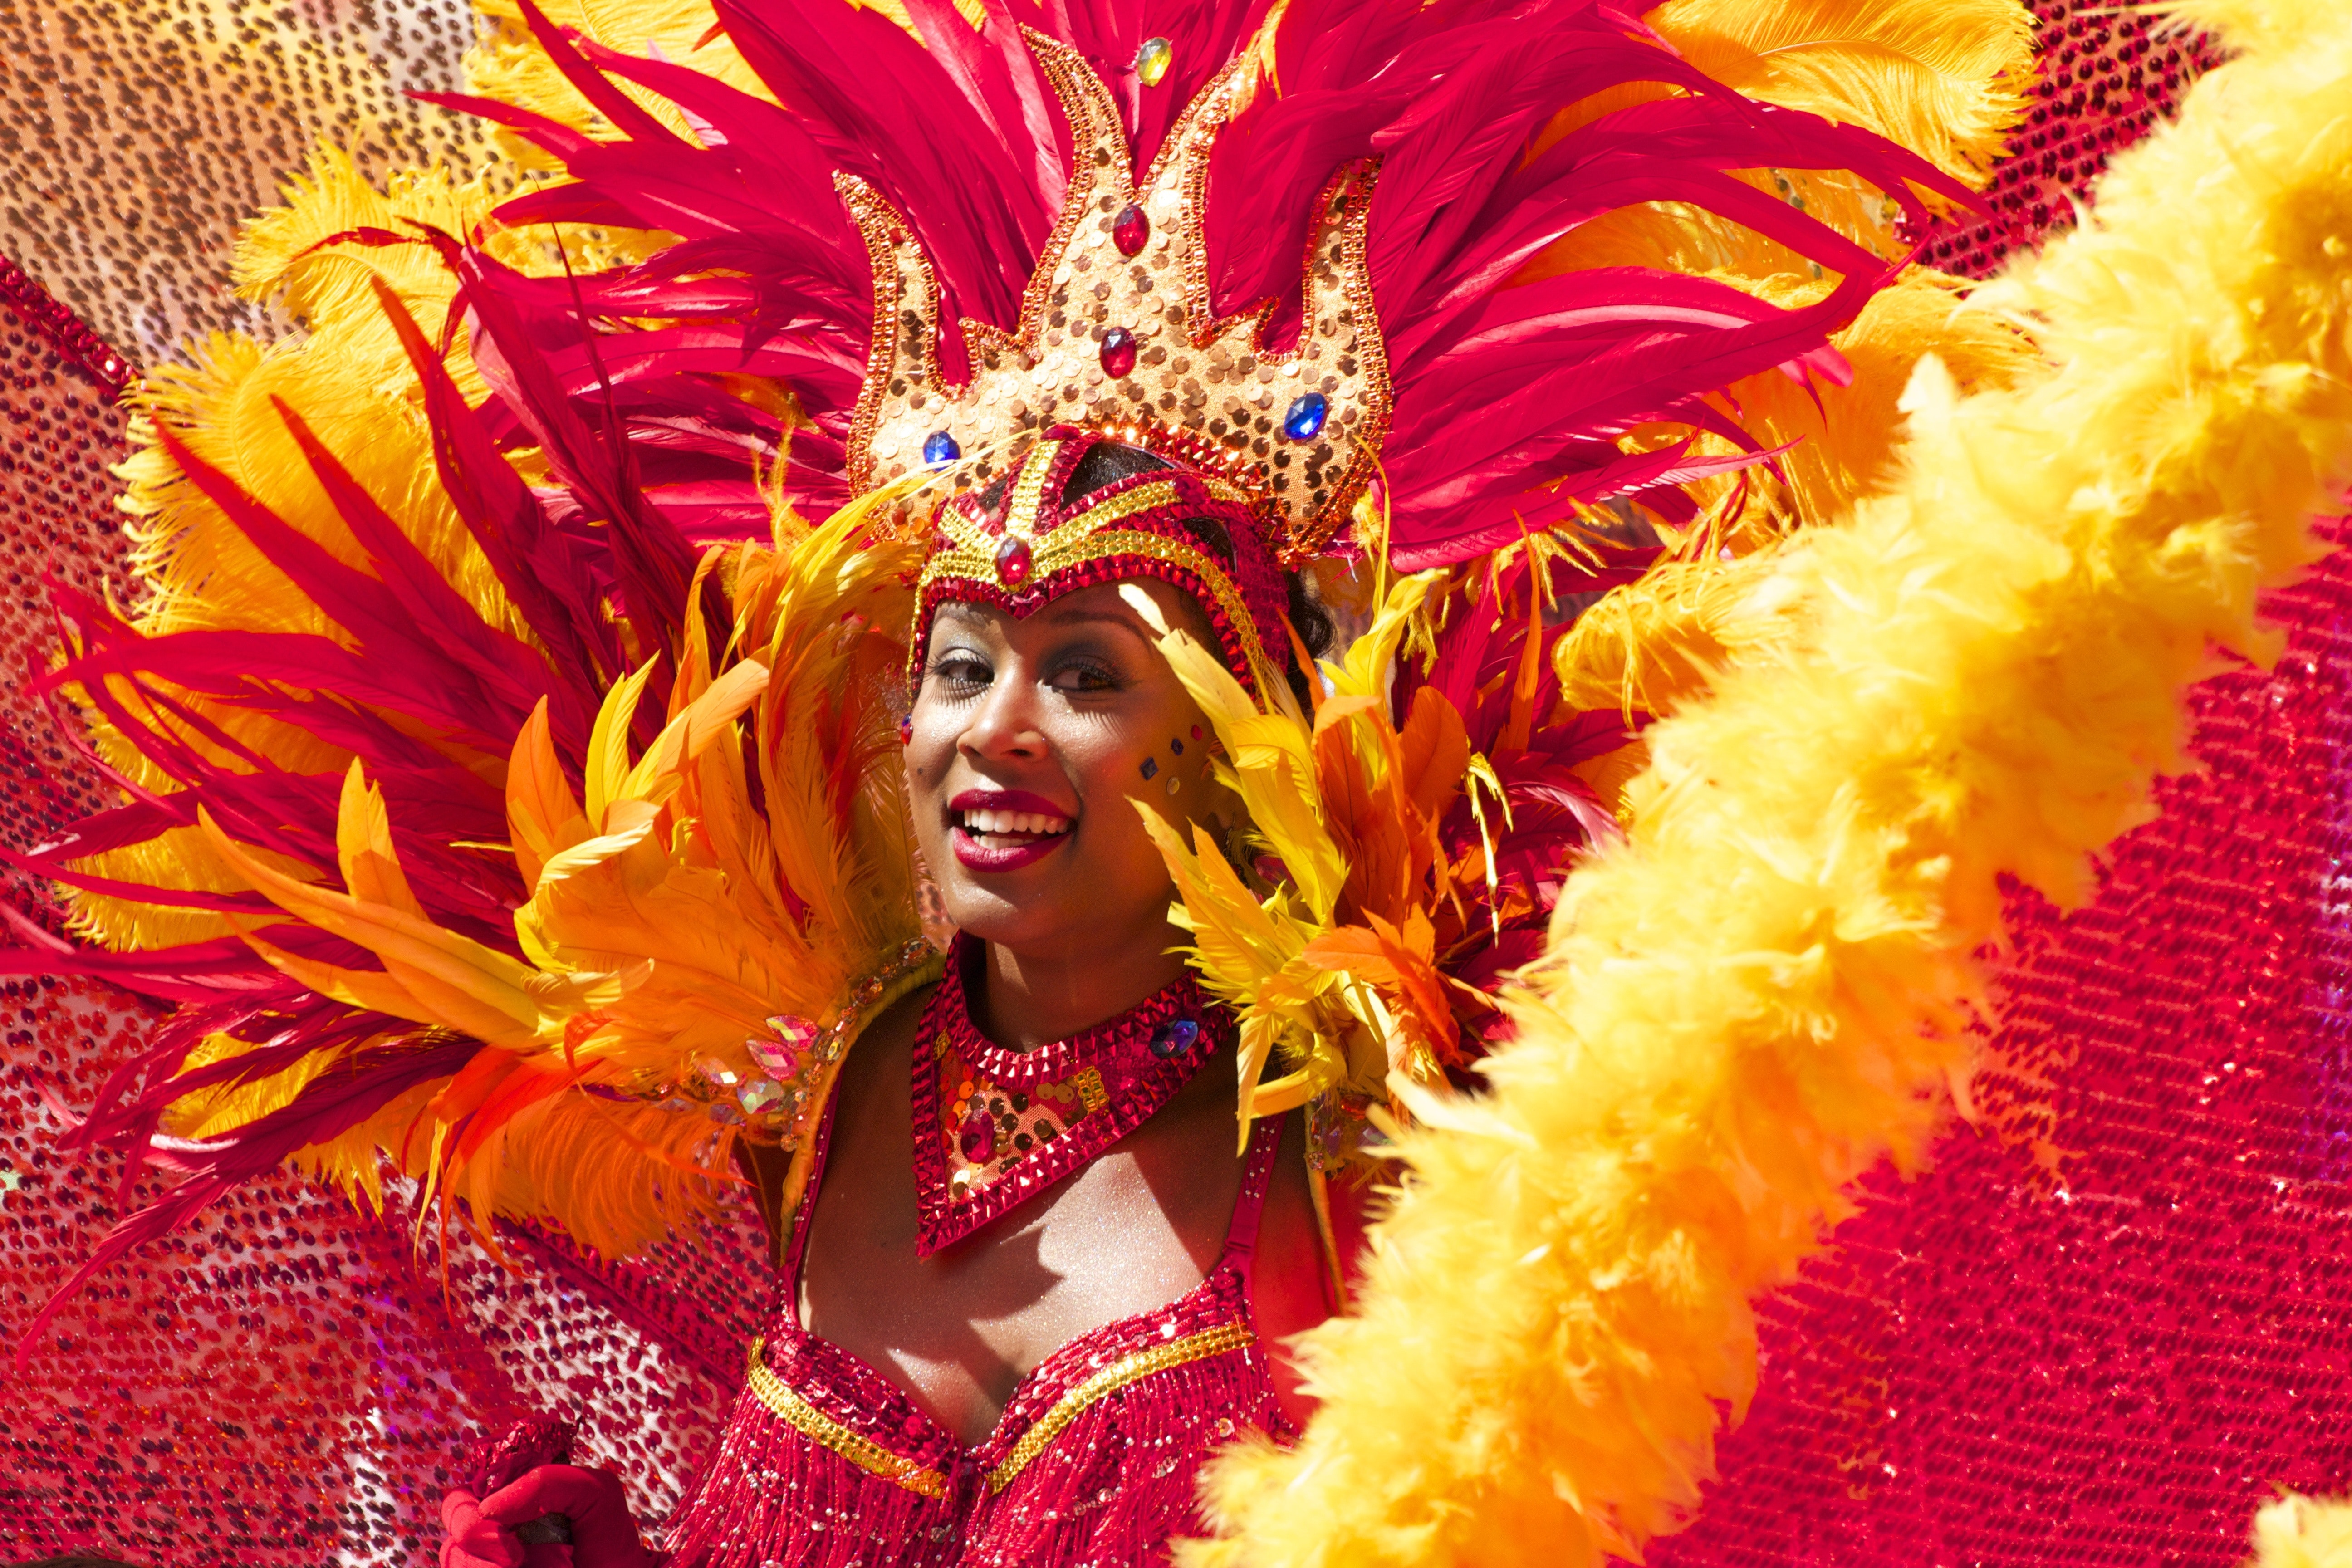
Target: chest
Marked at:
959, 1329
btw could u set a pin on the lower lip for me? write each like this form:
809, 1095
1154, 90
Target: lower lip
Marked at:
973, 855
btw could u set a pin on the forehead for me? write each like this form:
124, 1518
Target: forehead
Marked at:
1097, 604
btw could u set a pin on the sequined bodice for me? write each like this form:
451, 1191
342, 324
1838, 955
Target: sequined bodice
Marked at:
1094, 1462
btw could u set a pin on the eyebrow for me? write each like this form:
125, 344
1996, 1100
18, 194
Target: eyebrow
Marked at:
1081, 616
963, 610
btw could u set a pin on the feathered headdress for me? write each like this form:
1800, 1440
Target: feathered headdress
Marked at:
1317, 243
532, 823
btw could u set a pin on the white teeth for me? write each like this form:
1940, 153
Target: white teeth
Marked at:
984, 823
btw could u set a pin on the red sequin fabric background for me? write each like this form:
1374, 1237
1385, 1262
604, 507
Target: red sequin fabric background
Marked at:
2106, 1324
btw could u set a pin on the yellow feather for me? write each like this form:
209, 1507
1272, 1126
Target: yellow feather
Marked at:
374, 991
607, 768
1269, 760
207, 1112
543, 816
2302, 1533
455, 980
1947, 79
363, 850
661, 771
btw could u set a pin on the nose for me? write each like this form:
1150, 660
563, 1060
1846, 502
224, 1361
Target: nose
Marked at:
1005, 725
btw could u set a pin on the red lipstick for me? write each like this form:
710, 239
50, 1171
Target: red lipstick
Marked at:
973, 855
1010, 851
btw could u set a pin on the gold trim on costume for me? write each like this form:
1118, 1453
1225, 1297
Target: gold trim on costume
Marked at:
1109, 1381
785, 1402
1029, 490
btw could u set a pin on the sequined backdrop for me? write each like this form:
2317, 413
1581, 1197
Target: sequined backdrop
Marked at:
137, 134
2099, 1331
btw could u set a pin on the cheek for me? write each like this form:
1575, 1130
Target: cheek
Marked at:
1136, 763
927, 747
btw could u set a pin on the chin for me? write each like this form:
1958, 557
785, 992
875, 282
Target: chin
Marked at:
1004, 906
1024, 927
1063, 911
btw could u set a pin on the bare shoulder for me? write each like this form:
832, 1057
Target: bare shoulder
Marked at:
885, 1040
890, 1033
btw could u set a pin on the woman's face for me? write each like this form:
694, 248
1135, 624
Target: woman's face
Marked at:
1031, 738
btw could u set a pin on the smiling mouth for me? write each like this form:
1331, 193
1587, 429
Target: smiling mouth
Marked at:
999, 830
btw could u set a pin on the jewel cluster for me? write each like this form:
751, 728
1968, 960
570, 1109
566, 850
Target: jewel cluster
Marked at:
790, 1062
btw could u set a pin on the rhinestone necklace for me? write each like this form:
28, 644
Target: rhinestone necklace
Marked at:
994, 1127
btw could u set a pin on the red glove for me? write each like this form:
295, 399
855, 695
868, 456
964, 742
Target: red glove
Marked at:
483, 1531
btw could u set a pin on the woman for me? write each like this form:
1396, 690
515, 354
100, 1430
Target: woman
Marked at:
1162, 1255
510, 836
1021, 1345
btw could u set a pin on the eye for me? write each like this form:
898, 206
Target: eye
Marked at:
1086, 673
958, 669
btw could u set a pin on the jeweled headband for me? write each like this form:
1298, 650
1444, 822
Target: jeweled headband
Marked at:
1026, 539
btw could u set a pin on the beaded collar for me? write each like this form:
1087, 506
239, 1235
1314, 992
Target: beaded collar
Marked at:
994, 1127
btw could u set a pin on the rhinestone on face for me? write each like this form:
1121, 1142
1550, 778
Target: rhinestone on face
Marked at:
939, 450
978, 1137
1152, 60
1117, 353
1013, 559
1174, 1038
1303, 421
1130, 229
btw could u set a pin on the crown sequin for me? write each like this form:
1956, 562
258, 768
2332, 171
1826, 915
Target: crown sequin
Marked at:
1117, 329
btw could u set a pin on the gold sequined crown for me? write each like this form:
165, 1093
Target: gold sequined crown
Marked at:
1117, 329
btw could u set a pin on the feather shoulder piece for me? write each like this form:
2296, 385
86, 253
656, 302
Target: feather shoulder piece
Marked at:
547, 862
1408, 832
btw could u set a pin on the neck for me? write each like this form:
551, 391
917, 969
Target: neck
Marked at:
1026, 999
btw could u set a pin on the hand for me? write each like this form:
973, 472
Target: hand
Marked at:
482, 1531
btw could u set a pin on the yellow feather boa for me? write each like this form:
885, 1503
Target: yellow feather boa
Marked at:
1761, 995
2302, 1533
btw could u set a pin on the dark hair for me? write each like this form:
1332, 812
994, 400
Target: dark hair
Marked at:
1105, 463
1313, 623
